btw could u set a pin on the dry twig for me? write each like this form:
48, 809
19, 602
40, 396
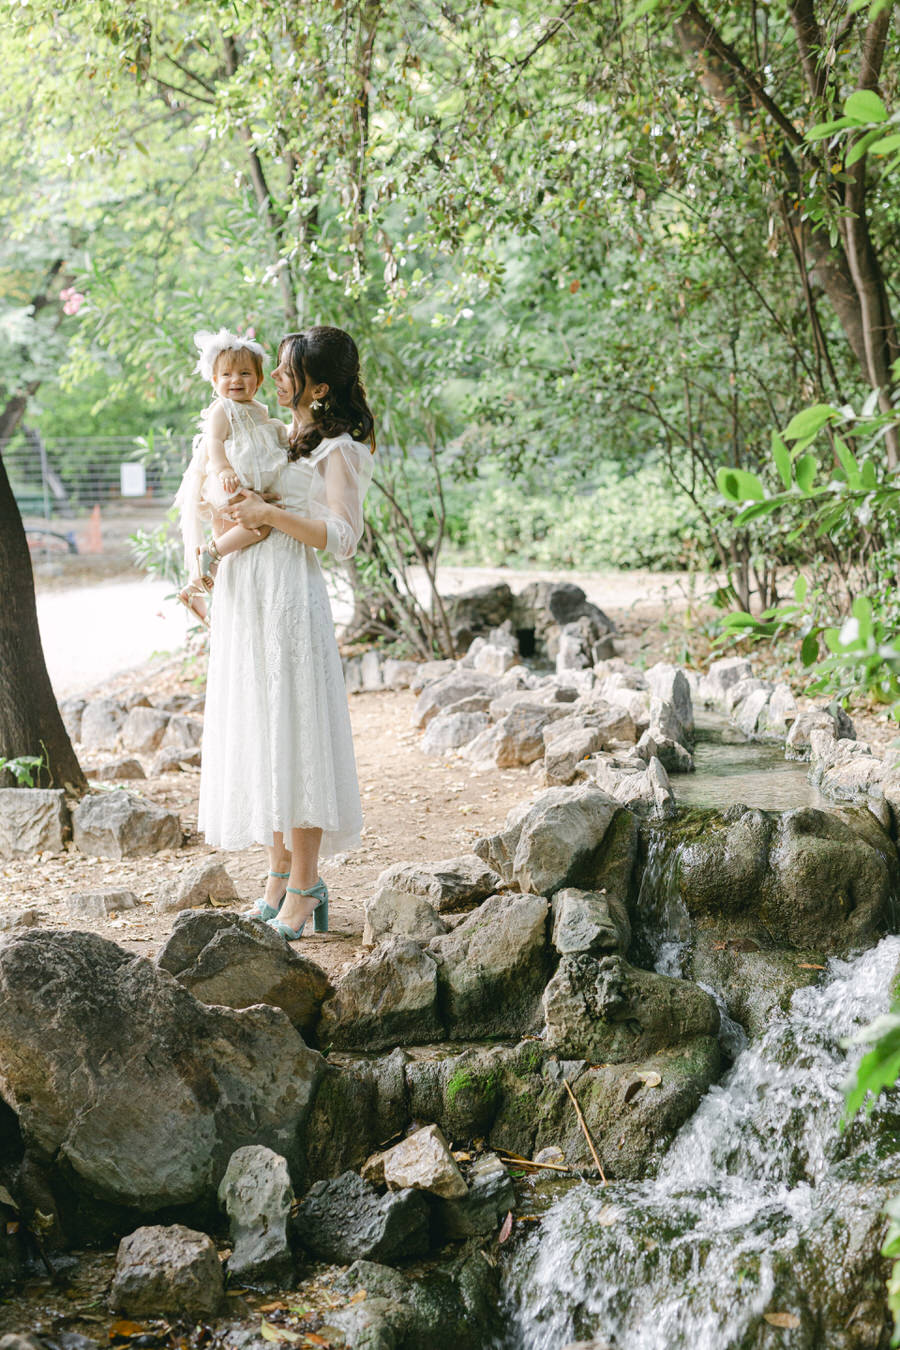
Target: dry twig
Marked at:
586, 1131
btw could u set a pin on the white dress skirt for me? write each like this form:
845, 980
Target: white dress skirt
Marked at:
277, 746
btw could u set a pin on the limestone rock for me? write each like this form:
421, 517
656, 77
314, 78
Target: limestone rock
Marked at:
544, 608
395, 913
101, 722
670, 684
11, 919
642, 787
118, 770
205, 882
256, 1193
721, 675
183, 733
134, 1088
143, 729
607, 1010
122, 825
589, 921
174, 761
447, 690
170, 1271
389, 998
489, 1198
237, 962
398, 674
498, 654
737, 693
778, 715
564, 754
492, 966
450, 730
558, 841
750, 711
423, 1162
32, 820
833, 720
345, 1219
427, 672
71, 711
448, 885
100, 904
612, 720
476, 612
671, 753
614, 689
370, 670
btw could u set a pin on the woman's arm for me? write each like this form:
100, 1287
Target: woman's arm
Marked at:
251, 511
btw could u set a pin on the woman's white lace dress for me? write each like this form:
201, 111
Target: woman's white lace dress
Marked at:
277, 747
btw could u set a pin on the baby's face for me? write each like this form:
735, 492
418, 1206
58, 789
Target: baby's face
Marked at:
235, 377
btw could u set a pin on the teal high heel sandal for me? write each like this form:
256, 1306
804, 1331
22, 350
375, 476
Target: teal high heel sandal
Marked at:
263, 911
320, 913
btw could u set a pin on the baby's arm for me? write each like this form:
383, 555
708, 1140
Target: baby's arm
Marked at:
216, 434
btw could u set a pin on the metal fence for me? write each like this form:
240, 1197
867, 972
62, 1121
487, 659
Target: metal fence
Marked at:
65, 477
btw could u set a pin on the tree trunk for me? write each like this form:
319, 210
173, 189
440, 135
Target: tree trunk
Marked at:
30, 721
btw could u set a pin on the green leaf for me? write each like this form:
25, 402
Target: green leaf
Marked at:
766, 508
801, 586
806, 472
809, 421
869, 476
823, 129
782, 458
809, 649
859, 148
861, 610
848, 461
739, 486
864, 105
885, 145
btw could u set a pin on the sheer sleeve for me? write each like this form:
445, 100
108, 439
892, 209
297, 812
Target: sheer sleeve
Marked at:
340, 481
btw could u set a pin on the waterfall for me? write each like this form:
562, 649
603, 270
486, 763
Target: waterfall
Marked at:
759, 1230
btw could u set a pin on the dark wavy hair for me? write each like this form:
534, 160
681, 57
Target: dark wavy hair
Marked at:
329, 356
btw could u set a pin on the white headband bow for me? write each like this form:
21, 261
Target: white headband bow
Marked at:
210, 345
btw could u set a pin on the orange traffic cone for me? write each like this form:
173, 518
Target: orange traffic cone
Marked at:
93, 539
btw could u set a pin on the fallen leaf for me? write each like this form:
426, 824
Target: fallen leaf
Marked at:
6, 1198
720, 946
358, 1296
650, 1078
506, 1228
313, 1339
273, 1307
124, 1328
460, 1155
808, 965
12, 1227
273, 1333
787, 1320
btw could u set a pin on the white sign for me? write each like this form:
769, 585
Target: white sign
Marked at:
133, 480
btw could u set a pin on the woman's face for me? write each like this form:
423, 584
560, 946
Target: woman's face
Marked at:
286, 390
284, 383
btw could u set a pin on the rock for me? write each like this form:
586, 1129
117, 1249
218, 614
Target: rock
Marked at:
575, 646
714, 685
117, 770
672, 755
564, 753
607, 1010
143, 729
370, 670
481, 752
345, 1219
477, 611
32, 820
71, 711
643, 788
778, 714
101, 722
361, 1101
100, 904
751, 710
809, 879
204, 883
395, 913
167, 1271
136, 699
449, 885
256, 1193
519, 735
498, 654
737, 693
492, 967
173, 761
833, 720
544, 608
447, 690
450, 730
389, 998
427, 672
12, 919
756, 984
613, 721
557, 842
137, 1091
489, 1198
120, 824
423, 1162
670, 685
636, 702
237, 962
589, 921
398, 674
183, 733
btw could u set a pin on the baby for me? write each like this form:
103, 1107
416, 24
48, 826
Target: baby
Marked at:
239, 446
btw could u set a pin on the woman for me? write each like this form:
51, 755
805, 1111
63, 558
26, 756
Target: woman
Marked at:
278, 765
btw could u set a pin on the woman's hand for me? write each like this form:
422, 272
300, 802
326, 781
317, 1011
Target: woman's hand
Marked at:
249, 509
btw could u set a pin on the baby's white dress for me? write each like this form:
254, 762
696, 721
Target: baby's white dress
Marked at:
256, 448
277, 746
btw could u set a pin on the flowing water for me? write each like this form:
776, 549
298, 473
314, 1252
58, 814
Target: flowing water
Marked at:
729, 769
762, 1208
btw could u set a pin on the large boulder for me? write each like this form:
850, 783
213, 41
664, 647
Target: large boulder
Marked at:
561, 839
143, 729
449, 689
101, 722
122, 825
543, 609
205, 882
138, 1093
257, 1194
170, 1271
476, 612
589, 922
409, 897
346, 1219
823, 880
604, 1009
720, 677
643, 787
492, 967
450, 730
226, 959
669, 684
389, 998
32, 820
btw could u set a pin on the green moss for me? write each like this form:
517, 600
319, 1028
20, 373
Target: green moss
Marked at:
482, 1085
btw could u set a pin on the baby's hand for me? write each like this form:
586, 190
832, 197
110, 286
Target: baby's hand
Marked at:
229, 480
